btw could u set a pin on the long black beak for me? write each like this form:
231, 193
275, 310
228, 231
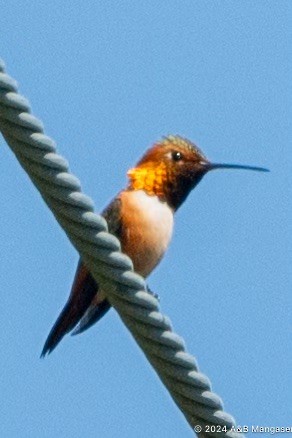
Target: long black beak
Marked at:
213, 166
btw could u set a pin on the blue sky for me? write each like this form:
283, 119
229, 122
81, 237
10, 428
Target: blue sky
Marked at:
108, 79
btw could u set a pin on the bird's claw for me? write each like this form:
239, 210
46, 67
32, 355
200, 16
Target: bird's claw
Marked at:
155, 295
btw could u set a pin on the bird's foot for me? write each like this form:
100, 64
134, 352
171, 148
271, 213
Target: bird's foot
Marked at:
152, 293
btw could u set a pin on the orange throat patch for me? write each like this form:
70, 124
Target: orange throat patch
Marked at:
149, 178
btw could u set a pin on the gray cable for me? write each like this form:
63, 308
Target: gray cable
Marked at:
126, 290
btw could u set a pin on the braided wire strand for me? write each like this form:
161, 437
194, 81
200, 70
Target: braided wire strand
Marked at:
101, 251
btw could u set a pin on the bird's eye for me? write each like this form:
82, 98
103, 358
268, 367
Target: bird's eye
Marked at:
177, 156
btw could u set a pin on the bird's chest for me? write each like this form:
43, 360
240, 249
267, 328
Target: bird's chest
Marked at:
147, 229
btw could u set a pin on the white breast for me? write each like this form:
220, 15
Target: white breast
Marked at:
148, 229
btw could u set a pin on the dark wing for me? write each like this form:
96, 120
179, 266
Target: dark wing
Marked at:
112, 214
83, 293
93, 314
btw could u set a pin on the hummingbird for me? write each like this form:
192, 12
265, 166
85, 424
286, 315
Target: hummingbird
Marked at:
141, 216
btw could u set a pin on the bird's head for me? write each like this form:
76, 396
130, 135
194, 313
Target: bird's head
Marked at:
171, 168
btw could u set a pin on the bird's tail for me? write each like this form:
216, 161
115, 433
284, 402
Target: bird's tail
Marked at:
83, 291
93, 314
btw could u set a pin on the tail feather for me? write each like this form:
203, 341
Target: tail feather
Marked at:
64, 324
83, 291
92, 315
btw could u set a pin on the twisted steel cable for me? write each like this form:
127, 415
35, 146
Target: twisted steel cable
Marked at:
101, 251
